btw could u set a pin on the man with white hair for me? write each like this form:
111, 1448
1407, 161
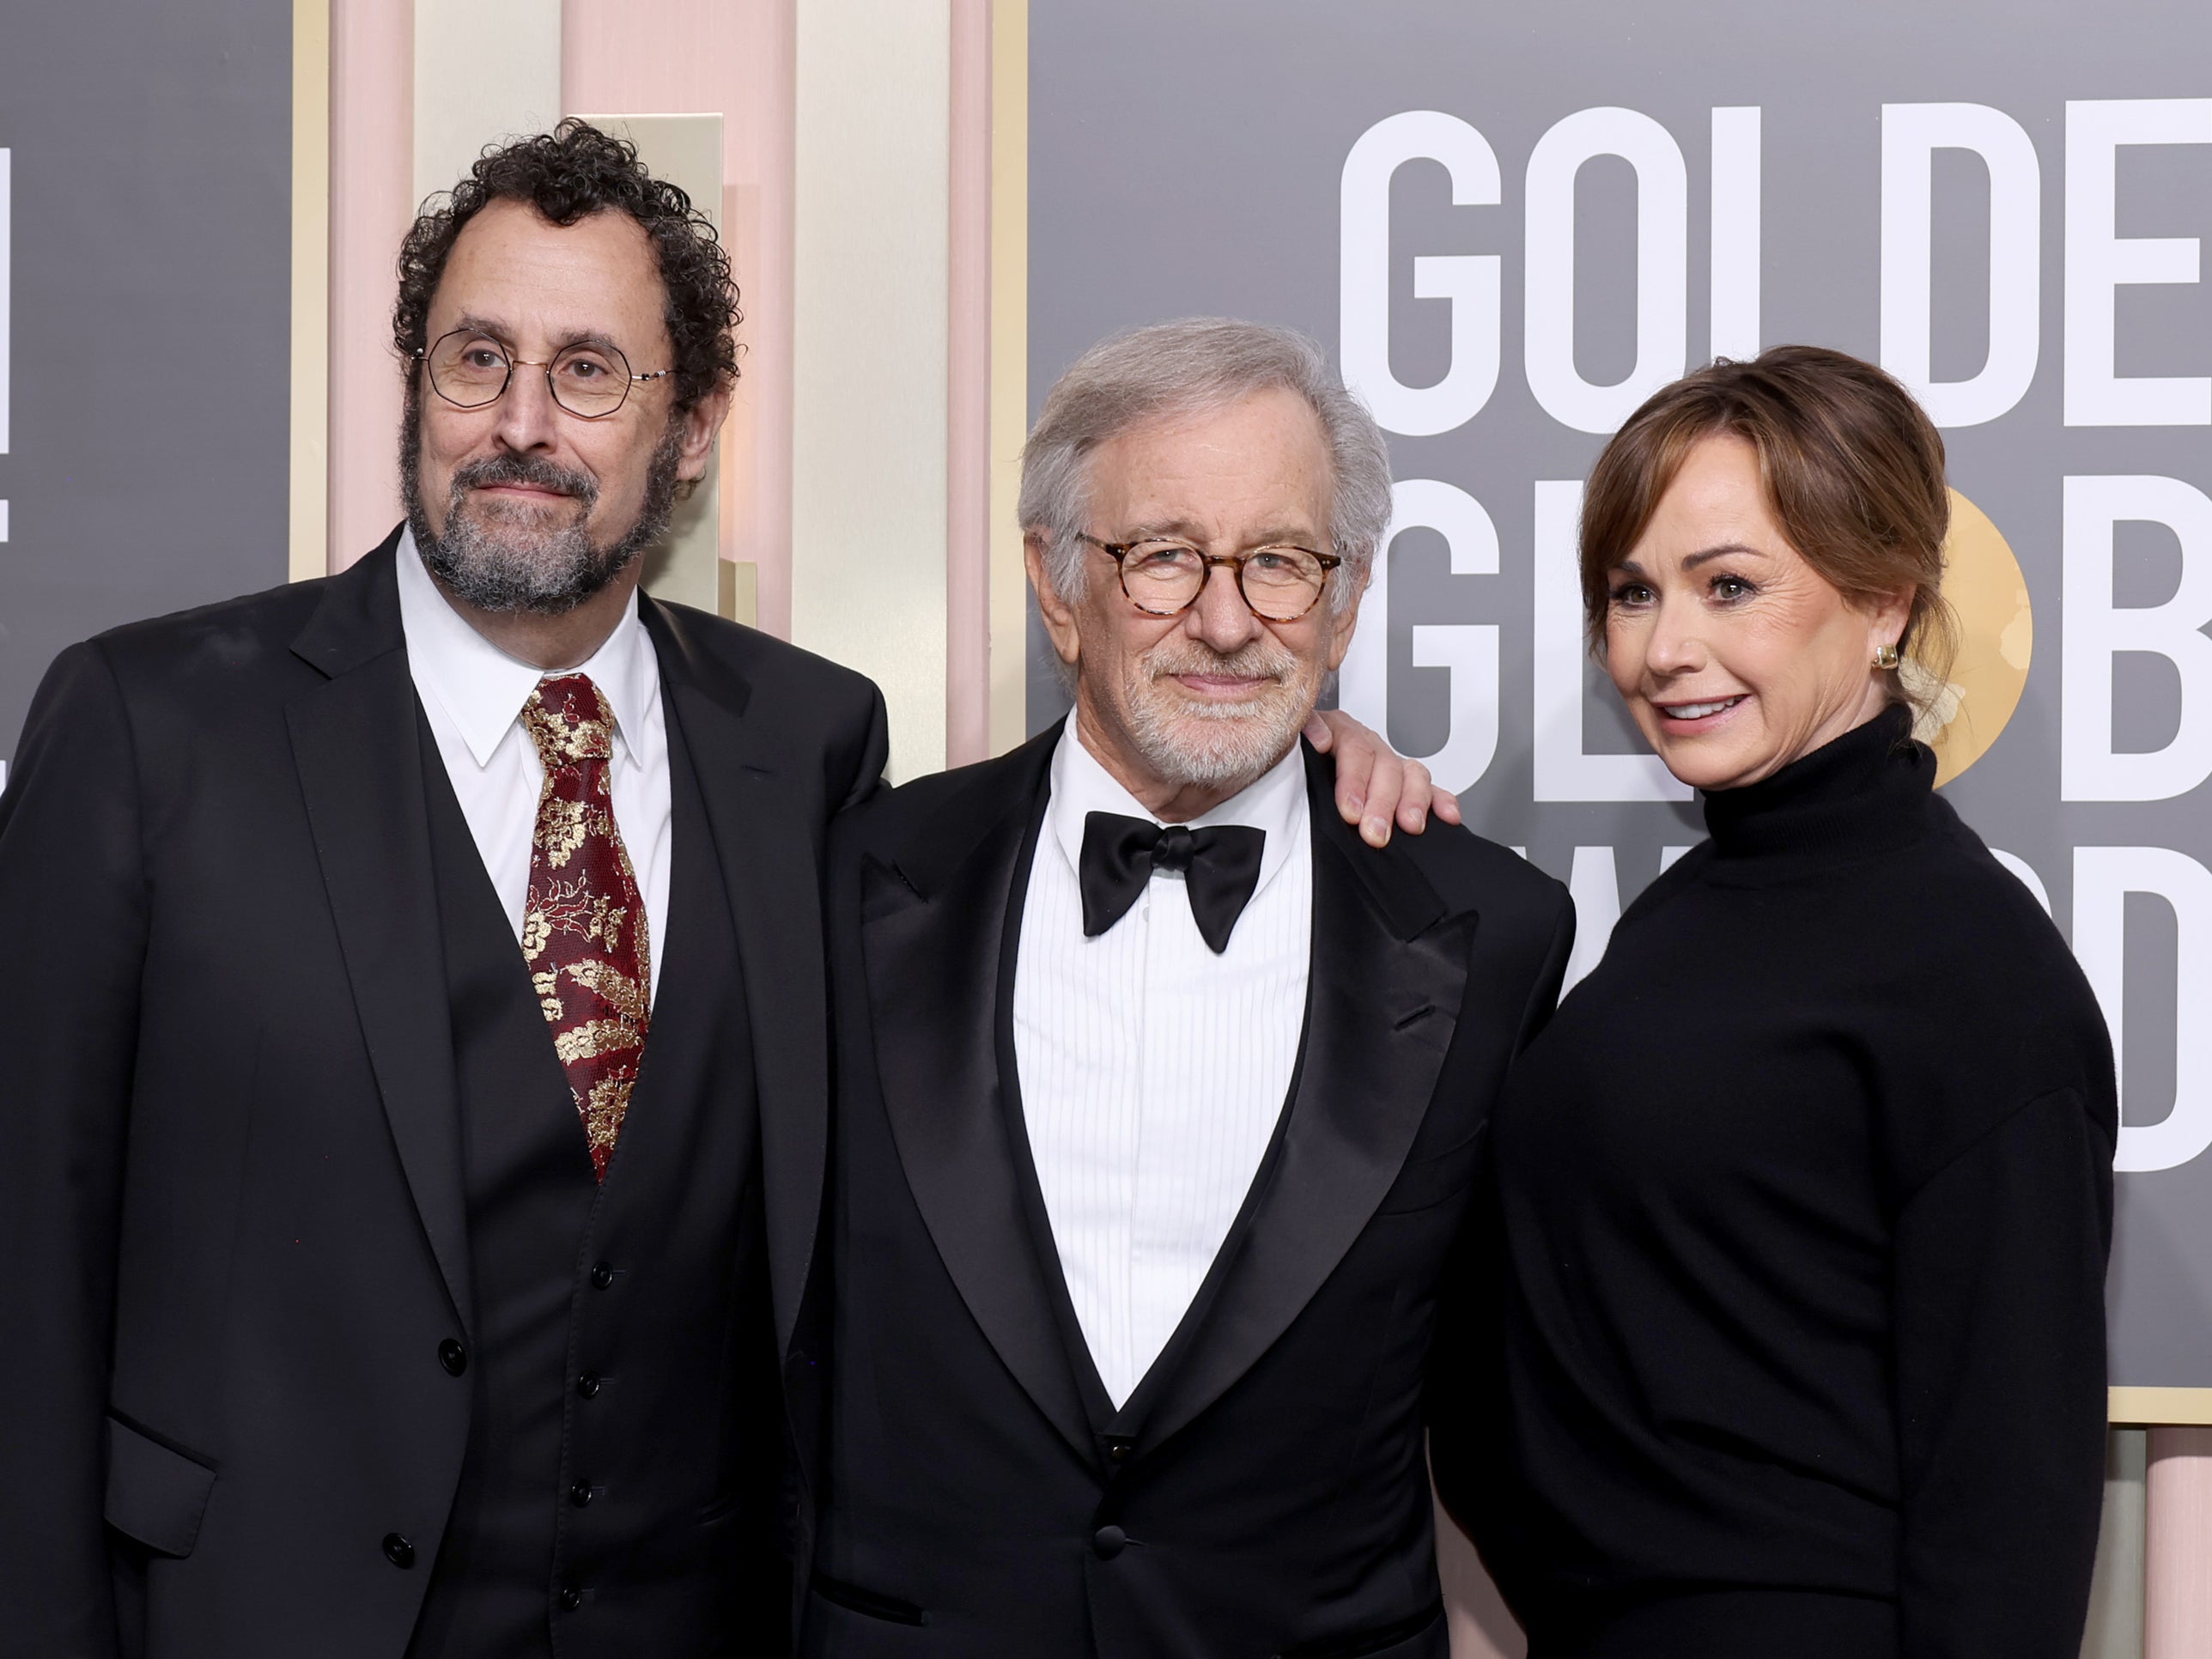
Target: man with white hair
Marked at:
1160, 1092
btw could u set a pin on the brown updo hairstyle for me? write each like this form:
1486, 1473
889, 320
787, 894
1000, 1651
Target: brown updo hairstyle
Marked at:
1853, 470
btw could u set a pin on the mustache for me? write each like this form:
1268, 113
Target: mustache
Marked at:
533, 471
1257, 659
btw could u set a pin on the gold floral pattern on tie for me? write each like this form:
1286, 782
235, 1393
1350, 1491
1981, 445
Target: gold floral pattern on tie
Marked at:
584, 932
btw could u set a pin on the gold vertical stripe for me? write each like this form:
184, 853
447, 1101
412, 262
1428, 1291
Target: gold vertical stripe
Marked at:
311, 289
1010, 365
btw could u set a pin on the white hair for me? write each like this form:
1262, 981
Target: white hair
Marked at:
1190, 367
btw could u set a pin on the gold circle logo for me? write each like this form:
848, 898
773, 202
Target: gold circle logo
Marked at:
1996, 638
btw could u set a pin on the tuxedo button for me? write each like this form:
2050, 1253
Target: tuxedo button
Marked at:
580, 1493
1108, 1542
1118, 1449
603, 1275
569, 1598
587, 1385
453, 1357
399, 1551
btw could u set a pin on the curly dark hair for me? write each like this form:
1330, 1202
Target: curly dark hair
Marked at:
567, 173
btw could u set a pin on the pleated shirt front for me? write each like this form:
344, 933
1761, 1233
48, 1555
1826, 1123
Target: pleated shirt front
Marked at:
1154, 1072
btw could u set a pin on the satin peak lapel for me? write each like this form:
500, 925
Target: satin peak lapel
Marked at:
1389, 967
354, 742
932, 932
764, 832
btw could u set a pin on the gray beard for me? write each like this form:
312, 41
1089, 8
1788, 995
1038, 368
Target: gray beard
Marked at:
1185, 741
514, 567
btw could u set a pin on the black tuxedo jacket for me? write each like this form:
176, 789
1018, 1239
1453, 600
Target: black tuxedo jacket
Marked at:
234, 1223
1264, 1491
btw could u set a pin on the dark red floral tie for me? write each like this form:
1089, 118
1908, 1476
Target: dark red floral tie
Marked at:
584, 923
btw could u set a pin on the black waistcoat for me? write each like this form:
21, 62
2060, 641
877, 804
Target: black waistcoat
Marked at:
618, 1496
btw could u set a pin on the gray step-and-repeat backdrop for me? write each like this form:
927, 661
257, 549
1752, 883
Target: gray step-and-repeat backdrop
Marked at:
1511, 224
145, 311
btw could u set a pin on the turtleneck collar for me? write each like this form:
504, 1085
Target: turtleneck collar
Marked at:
1863, 792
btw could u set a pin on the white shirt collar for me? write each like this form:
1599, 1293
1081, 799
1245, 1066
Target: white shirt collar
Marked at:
1275, 802
483, 690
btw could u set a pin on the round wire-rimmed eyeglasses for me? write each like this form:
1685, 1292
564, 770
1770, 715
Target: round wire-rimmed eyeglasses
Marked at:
1163, 576
591, 379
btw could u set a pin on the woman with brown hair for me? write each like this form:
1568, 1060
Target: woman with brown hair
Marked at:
1803, 1198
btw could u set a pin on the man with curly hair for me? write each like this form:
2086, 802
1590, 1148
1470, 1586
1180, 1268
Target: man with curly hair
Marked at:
418, 1112
385, 1303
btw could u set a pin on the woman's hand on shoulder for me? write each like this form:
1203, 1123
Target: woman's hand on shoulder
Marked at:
1377, 787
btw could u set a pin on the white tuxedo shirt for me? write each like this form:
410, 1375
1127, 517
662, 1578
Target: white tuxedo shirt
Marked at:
1153, 1072
473, 694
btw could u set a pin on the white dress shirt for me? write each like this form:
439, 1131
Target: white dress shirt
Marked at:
473, 694
1153, 1072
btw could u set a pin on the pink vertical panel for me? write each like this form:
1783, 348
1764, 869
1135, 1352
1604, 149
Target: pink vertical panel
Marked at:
968, 395
737, 57
372, 159
2178, 1546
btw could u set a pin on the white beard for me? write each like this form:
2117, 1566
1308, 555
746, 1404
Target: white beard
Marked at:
1190, 740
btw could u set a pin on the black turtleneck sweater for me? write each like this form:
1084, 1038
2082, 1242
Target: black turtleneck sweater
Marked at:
1802, 1205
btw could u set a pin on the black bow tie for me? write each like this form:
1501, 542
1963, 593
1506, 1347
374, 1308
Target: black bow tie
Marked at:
1220, 867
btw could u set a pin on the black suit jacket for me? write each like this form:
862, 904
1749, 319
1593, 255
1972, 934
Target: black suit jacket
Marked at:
233, 1217
1264, 1492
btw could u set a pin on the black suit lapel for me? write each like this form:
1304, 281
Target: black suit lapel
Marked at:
1389, 967
354, 742
764, 832
934, 928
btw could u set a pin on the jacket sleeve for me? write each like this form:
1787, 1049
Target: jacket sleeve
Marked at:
2000, 1377
73, 910
1465, 1391
1544, 992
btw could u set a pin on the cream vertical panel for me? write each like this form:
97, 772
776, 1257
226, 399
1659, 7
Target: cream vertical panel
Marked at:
484, 71
1010, 366
869, 358
968, 395
310, 490
686, 150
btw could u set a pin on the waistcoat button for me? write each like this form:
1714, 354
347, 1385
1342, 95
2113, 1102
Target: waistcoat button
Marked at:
570, 1598
603, 1275
587, 1385
580, 1493
1107, 1541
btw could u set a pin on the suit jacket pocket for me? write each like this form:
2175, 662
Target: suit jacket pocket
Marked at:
866, 1602
156, 1493
1423, 1633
